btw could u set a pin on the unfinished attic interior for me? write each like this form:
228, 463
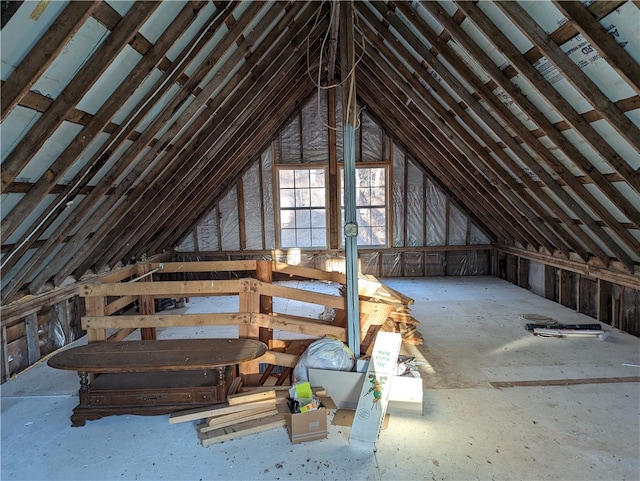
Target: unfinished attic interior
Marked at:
159, 154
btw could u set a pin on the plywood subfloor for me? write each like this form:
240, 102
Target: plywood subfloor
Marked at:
470, 429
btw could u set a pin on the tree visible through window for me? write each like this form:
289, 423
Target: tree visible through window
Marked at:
371, 201
303, 207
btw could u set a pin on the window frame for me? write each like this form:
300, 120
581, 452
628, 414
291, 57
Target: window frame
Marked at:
278, 202
366, 165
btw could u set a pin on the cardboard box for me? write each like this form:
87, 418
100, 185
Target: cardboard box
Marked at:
307, 426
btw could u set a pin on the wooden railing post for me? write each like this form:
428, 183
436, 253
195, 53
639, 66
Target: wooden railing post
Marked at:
94, 305
264, 273
146, 304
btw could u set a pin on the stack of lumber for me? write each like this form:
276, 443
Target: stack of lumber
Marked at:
242, 414
399, 319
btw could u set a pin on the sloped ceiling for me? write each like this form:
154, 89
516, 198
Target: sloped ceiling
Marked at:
123, 121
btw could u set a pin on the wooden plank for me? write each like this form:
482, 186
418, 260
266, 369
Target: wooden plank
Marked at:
279, 359
233, 419
250, 397
169, 320
201, 413
165, 288
300, 325
235, 386
300, 295
43, 53
206, 266
242, 429
309, 272
33, 339
564, 382
118, 304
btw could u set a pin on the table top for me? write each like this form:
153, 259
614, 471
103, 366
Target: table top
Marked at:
160, 355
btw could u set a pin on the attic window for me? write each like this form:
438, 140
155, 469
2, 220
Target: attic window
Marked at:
303, 207
371, 205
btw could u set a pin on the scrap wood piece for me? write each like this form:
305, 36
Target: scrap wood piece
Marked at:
250, 397
218, 410
235, 386
242, 429
236, 418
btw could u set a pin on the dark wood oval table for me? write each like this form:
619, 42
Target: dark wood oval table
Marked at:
152, 377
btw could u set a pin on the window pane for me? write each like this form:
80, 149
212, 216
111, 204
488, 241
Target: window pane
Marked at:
378, 196
378, 236
363, 217
287, 218
318, 197
302, 178
303, 238
363, 197
378, 217
286, 178
287, 198
316, 178
319, 237
318, 218
303, 219
288, 237
303, 198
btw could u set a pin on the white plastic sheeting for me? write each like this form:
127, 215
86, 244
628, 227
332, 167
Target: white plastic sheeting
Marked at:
422, 213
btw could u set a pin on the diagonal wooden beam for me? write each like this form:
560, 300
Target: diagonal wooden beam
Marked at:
551, 95
447, 172
602, 41
97, 193
43, 53
541, 150
479, 130
568, 201
156, 175
141, 164
572, 73
206, 165
512, 192
95, 126
462, 38
196, 137
121, 35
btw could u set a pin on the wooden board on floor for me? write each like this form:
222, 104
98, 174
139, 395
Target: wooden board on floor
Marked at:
231, 419
242, 429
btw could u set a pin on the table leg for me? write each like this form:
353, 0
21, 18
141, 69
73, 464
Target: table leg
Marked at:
83, 394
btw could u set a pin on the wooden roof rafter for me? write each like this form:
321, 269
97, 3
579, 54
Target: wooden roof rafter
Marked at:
46, 183
267, 85
499, 131
602, 41
469, 147
245, 80
120, 36
96, 198
574, 75
43, 54
543, 154
595, 177
552, 96
72, 249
